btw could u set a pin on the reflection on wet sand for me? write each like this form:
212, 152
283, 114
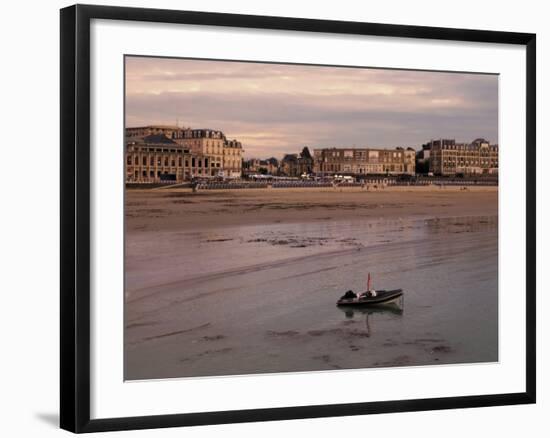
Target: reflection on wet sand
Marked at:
391, 308
261, 298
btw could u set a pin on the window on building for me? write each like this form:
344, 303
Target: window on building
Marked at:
136, 161
144, 161
129, 160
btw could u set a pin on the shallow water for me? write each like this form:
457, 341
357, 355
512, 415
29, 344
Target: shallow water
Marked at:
261, 299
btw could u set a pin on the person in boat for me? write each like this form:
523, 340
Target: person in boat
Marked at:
350, 294
368, 294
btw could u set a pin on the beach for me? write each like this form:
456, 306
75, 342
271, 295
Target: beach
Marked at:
245, 281
181, 209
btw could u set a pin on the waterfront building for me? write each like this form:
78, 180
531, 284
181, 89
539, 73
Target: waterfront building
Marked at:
157, 158
255, 165
232, 159
295, 165
450, 158
271, 165
251, 165
207, 142
223, 157
422, 160
364, 161
289, 165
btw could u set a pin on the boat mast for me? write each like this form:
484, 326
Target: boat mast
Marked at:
368, 282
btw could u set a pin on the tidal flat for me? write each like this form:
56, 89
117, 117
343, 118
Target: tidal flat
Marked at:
246, 281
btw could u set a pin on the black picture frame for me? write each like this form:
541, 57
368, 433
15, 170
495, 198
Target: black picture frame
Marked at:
75, 217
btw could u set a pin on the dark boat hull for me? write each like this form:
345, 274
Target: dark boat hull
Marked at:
382, 297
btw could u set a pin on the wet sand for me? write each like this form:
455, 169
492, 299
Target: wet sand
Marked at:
173, 209
245, 281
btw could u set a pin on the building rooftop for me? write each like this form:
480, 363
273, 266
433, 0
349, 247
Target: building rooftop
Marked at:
233, 143
155, 126
290, 157
158, 139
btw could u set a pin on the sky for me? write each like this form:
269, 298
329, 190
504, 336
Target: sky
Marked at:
275, 109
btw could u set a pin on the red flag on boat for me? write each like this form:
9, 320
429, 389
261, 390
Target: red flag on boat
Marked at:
368, 282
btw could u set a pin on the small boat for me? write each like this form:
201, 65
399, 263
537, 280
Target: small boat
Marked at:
365, 299
370, 297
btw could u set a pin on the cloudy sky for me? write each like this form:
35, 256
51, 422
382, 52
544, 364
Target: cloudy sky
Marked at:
275, 109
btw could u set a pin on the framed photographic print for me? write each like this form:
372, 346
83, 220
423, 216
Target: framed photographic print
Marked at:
270, 218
